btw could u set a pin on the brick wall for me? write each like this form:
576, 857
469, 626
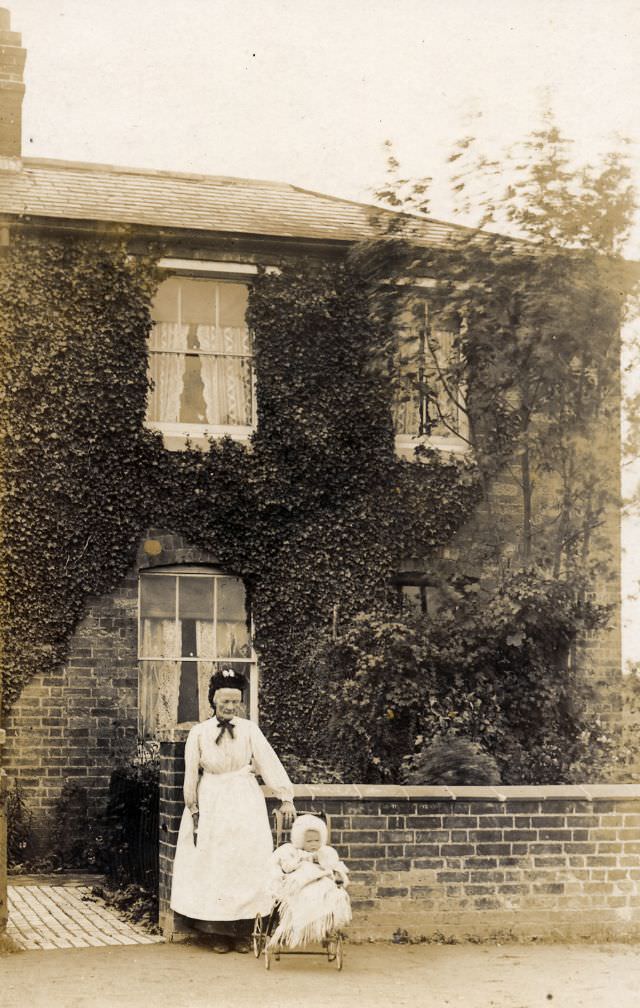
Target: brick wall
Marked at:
467, 862
69, 725
74, 724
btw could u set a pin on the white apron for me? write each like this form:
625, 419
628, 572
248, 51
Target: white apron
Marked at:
226, 876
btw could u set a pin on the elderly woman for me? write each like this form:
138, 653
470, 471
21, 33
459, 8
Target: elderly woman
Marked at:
223, 854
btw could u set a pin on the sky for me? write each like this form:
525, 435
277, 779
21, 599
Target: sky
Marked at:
307, 91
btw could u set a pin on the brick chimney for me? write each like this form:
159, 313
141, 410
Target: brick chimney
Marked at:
12, 58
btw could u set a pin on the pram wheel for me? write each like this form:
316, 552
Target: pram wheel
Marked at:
335, 950
259, 937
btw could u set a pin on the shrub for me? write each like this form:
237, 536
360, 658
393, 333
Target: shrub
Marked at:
492, 667
452, 760
18, 827
130, 843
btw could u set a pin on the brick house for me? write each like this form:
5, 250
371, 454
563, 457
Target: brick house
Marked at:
217, 233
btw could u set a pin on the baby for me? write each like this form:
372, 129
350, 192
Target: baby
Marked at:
309, 886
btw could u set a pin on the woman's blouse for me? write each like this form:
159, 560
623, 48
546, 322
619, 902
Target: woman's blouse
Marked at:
247, 747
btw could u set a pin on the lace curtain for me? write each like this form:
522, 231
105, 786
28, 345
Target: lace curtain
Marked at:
158, 678
226, 378
167, 371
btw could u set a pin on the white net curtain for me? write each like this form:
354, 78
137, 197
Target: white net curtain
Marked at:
191, 624
200, 354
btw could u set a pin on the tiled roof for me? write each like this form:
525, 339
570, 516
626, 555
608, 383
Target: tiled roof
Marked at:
89, 192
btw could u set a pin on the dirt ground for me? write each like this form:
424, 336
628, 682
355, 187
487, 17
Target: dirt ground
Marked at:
185, 975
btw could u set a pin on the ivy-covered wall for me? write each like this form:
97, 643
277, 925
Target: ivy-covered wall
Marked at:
315, 514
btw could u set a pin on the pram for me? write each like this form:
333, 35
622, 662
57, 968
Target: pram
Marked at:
332, 945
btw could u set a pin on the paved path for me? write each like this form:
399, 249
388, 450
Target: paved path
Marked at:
67, 916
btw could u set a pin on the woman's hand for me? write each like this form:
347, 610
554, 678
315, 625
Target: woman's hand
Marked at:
288, 814
196, 818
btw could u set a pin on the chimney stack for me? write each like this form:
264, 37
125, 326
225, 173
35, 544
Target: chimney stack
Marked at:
12, 59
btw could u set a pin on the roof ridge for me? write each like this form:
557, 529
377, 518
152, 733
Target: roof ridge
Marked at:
153, 172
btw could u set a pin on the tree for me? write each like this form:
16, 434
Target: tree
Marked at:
535, 295
537, 316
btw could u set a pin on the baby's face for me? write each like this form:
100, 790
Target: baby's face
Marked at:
311, 840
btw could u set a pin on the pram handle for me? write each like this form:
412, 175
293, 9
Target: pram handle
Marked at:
278, 816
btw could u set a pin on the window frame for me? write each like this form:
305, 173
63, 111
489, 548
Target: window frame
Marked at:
175, 434
452, 442
194, 570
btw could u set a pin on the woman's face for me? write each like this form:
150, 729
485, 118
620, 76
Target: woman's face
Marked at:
228, 703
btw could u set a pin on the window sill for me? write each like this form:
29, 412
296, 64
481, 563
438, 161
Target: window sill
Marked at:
406, 445
175, 435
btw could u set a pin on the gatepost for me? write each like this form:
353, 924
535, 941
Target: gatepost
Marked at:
4, 912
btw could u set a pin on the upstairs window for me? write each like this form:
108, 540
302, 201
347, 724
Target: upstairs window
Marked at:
428, 403
201, 358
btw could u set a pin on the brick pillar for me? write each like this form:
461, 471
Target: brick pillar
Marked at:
4, 911
171, 807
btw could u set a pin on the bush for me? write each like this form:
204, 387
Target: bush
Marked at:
76, 840
130, 843
452, 760
307, 771
492, 667
18, 827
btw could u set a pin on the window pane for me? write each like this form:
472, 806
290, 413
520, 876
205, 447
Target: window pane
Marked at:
205, 671
158, 638
227, 389
193, 408
198, 302
167, 372
188, 701
233, 636
158, 595
196, 616
414, 597
422, 402
158, 697
196, 597
164, 307
232, 304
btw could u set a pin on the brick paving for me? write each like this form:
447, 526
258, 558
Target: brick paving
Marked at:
44, 916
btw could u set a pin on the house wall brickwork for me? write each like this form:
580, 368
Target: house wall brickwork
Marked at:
73, 725
466, 862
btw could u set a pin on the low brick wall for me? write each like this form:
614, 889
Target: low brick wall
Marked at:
551, 862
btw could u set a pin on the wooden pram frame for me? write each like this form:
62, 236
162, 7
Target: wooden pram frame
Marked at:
263, 928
